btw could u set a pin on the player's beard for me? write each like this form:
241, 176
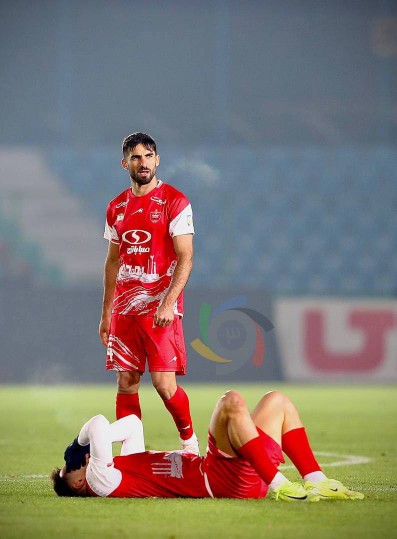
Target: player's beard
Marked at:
143, 180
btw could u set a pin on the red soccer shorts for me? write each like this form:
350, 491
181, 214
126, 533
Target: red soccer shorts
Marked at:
133, 340
234, 477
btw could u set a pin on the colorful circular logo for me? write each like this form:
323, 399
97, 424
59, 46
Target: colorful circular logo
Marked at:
232, 334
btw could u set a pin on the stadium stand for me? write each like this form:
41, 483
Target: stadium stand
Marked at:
43, 225
292, 221
22, 260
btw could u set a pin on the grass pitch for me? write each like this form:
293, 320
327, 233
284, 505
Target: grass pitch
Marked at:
344, 423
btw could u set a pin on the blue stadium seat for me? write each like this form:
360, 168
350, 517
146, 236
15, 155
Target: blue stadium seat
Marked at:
304, 221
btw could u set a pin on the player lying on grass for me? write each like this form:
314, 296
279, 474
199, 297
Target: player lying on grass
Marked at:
242, 459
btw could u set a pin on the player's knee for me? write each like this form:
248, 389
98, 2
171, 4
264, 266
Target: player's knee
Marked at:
165, 384
126, 381
233, 402
276, 397
164, 389
280, 400
289, 407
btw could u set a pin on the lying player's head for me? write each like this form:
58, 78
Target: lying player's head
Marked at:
69, 483
132, 141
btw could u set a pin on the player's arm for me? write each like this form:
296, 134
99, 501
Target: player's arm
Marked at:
129, 431
94, 441
112, 265
97, 436
96, 432
183, 245
101, 473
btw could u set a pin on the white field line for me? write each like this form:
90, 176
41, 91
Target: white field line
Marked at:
348, 460
11, 479
380, 489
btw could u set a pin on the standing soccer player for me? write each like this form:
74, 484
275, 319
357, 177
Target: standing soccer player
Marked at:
150, 231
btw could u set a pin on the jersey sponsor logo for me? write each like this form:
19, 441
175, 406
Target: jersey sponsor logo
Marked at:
121, 204
136, 237
155, 216
137, 250
158, 201
189, 220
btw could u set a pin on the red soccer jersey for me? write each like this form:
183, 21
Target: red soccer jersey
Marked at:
144, 227
154, 474
165, 474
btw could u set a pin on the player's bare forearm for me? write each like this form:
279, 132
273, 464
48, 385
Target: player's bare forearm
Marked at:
165, 313
108, 293
109, 285
111, 269
179, 280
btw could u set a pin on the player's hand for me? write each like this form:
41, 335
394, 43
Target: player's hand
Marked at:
164, 316
103, 331
76, 455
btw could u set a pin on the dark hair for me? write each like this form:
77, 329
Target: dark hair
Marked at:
130, 142
60, 485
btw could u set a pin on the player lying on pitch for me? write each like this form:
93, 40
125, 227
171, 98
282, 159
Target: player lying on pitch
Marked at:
242, 459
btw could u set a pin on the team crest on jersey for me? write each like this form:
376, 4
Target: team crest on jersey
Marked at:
120, 217
155, 216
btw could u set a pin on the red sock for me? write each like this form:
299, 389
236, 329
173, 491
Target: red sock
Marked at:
255, 452
127, 404
295, 444
178, 406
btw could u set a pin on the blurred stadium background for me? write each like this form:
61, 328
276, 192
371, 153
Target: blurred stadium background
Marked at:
277, 119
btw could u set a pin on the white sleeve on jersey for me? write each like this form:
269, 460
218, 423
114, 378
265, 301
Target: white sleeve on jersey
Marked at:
182, 223
111, 234
96, 432
128, 430
101, 475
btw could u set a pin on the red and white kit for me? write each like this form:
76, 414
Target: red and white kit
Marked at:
144, 227
137, 473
